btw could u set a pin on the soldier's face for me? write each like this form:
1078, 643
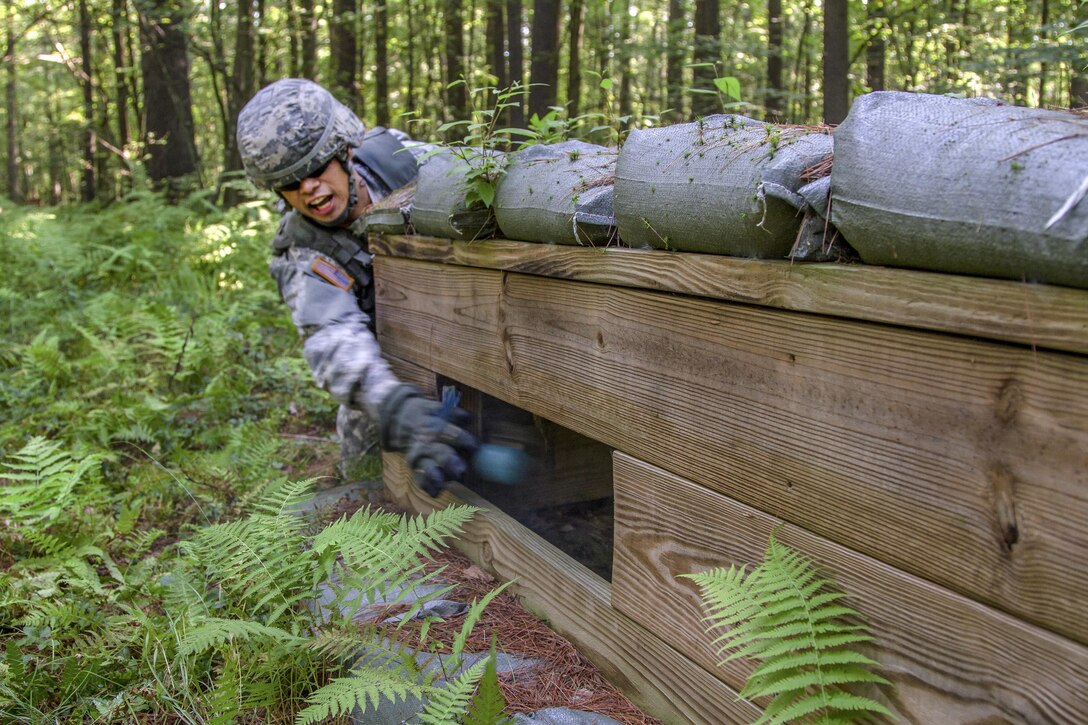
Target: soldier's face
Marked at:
323, 197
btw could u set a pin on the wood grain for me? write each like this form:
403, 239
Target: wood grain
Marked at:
961, 461
575, 602
1041, 316
950, 659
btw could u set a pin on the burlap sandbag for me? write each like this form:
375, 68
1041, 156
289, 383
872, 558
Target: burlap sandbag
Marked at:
439, 208
390, 215
963, 185
560, 193
722, 185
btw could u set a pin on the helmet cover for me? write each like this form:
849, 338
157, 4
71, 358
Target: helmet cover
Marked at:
290, 129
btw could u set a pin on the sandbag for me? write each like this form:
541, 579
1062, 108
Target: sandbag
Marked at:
439, 207
390, 215
963, 185
560, 193
722, 185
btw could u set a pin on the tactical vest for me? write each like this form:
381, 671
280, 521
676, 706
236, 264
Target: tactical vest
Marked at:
380, 165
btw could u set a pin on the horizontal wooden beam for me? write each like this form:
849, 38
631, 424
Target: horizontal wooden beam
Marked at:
964, 462
576, 603
1037, 315
949, 658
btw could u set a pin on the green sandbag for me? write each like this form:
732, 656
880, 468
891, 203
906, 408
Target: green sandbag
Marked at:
970, 186
439, 207
721, 185
561, 193
390, 215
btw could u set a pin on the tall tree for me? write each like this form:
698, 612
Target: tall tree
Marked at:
164, 63
708, 52
90, 138
674, 64
242, 86
11, 96
342, 52
623, 50
544, 63
515, 48
119, 28
775, 99
496, 43
875, 50
456, 90
574, 59
381, 63
836, 61
307, 17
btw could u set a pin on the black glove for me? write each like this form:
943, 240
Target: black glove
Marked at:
430, 434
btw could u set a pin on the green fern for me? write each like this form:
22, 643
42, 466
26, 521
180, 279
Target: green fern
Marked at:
786, 616
38, 482
450, 703
366, 687
212, 632
488, 704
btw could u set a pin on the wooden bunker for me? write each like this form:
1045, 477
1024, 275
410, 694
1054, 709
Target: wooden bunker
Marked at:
923, 437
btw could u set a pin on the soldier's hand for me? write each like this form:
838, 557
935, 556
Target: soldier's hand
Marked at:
430, 434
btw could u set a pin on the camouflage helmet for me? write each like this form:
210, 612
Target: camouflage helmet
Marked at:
290, 129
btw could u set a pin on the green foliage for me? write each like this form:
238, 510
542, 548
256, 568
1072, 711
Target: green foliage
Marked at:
787, 617
488, 704
148, 371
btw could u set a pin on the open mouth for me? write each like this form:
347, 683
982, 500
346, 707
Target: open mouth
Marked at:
321, 204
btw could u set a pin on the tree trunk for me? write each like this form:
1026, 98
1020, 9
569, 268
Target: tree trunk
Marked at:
456, 91
119, 28
774, 101
242, 86
308, 19
172, 160
496, 43
381, 64
410, 51
1044, 35
677, 51
294, 68
874, 52
574, 60
836, 62
342, 53
261, 39
14, 159
544, 63
90, 138
708, 30
623, 50
515, 47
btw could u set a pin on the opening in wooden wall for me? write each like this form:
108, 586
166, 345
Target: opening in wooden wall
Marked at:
565, 493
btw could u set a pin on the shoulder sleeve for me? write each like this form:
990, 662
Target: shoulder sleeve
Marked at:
342, 352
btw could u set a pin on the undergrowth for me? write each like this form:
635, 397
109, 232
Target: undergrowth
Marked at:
153, 564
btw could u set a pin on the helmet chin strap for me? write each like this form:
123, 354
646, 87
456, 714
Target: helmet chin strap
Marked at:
353, 194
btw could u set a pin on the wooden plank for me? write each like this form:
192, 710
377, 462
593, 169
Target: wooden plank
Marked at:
418, 376
961, 461
950, 659
1042, 316
575, 603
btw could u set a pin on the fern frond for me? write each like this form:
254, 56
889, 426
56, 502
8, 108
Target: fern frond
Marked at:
473, 616
213, 632
488, 704
450, 703
366, 687
785, 615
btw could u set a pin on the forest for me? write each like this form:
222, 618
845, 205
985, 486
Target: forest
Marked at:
159, 427
101, 96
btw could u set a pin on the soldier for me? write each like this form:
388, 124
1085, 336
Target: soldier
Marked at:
299, 141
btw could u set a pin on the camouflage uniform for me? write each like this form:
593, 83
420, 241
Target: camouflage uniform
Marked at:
331, 302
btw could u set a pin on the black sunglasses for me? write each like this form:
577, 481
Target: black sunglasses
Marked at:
296, 185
